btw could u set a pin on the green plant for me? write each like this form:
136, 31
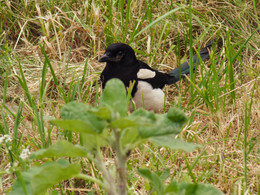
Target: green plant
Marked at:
223, 107
108, 125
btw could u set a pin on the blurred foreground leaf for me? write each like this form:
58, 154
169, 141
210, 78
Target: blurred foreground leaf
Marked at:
173, 143
151, 124
176, 188
154, 179
38, 179
189, 188
114, 97
61, 148
82, 118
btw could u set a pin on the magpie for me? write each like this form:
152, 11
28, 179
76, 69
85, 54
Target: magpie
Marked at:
147, 92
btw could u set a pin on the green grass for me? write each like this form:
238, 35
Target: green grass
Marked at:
48, 57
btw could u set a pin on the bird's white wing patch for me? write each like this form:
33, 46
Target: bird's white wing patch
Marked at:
153, 99
145, 74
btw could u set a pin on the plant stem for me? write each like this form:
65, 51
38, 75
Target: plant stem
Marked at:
95, 180
121, 164
109, 180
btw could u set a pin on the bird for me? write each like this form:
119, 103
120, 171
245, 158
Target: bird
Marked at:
147, 92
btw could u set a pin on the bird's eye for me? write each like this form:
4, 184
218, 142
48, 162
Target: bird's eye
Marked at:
120, 53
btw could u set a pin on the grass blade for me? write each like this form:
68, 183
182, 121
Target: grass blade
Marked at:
43, 83
17, 123
191, 49
157, 20
39, 121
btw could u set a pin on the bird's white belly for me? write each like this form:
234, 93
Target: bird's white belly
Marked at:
153, 99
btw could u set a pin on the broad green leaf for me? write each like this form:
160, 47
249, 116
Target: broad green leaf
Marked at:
38, 179
151, 125
103, 113
154, 180
142, 113
161, 126
114, 97
61, 148
92, 141
74, 125
173, 143
130, 138
93, 118
74, 110
123, 123
163, 174
176, 115
189, 188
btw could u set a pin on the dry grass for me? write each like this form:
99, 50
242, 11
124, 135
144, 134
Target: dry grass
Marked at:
73, 31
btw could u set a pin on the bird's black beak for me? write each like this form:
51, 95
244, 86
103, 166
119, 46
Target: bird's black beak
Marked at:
104, 58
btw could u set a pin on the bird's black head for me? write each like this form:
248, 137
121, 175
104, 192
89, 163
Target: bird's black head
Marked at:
118, 53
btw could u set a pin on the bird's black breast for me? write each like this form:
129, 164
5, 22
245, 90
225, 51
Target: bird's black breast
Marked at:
125, 73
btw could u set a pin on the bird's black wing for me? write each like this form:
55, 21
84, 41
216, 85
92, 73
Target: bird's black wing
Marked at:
159, 80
